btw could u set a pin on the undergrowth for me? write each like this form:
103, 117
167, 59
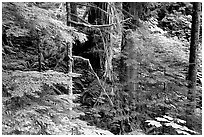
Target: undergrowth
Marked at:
30, 104
37, 102
161, 90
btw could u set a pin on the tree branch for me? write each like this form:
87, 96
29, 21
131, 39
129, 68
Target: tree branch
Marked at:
87, 60
89, 25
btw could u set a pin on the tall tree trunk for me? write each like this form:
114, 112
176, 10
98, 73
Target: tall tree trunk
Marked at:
128, 73
192, 73
97, 16
69, 51
68, 14
108, 46
39, 55
73, 8
134, 10
35, 33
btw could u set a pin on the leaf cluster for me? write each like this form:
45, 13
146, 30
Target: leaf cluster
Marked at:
168, 125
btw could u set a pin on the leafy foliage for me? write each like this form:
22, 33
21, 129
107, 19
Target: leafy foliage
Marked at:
24, 24
160, 65
157, 50
31, 105
31, 102
166, 124
32, 81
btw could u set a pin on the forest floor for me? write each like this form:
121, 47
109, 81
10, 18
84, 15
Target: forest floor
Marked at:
168, 52
166, 62
165, 70
34, 102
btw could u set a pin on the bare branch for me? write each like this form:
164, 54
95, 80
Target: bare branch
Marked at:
86, 12
56, 90
87, 60
89, 25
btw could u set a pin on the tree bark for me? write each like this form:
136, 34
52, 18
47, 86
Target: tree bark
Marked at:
39, 55
69, 52
68, 14
128, 71
97, 16
73, 10
192, 72
135, 10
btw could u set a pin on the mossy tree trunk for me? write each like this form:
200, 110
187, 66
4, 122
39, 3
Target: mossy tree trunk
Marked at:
192, 72
128, 70
98, 15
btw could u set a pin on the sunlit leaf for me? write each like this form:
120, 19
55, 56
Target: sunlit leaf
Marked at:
154, 123
161, 119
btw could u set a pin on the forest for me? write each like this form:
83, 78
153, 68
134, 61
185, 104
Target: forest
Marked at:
101, 68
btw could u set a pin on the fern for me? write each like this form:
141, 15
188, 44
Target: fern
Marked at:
24, 23
44, 20
31, 82
169, 122
34, 109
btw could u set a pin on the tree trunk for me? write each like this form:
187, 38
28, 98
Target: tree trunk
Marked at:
108, 46
69, 51
192, 73
97, 16
73, 8
134, 10
128, 71
35, 33
68, 14
39, 55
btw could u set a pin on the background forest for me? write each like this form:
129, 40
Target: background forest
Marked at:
101, 68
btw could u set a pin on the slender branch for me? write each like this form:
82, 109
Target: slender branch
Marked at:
86, 13
127, 13
87, 60
56, 90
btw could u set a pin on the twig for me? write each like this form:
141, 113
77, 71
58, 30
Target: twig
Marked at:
87, 60
56, 90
